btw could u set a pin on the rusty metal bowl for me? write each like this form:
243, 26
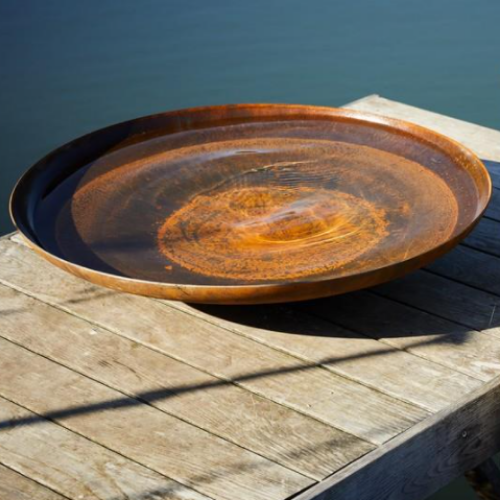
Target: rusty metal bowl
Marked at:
250, 203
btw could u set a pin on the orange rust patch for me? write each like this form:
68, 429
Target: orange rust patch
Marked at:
271, 233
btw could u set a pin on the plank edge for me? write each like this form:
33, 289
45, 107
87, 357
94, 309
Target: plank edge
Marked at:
449, 417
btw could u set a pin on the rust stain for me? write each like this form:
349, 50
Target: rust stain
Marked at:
271, 234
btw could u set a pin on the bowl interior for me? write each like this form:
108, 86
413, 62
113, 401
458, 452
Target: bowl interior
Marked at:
251, 199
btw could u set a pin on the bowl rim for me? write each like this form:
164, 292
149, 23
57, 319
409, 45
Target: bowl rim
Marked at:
287, 111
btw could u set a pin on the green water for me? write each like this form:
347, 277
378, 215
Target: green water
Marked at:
68, 67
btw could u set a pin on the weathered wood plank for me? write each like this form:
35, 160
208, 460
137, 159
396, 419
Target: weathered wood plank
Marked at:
454, 301
316, 341
423, 459
314, 391
367, 98
485, 237
494, 170
354, 355
423, 334
74, 466
14, 486
146, 435
493, 210
484, 141
246, 419
471, 267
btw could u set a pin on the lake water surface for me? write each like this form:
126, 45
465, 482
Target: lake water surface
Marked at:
68, 67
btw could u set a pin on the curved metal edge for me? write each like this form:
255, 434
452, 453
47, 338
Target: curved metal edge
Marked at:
260, 293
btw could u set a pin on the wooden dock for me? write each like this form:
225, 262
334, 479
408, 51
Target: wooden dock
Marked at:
387, 393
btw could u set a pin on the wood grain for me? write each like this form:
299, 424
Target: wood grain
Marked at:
162, 443
485, 237
14, 486
423, 334
460, 262
493, 210
425, 458
342, 351
484, 141
432, 386
314, 391
494, 170
74, 466
454, 301
285, 436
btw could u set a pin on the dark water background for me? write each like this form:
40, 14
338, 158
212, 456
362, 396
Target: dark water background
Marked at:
68, 67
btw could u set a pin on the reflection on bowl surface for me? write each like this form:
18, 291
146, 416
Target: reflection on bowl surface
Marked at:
250, 203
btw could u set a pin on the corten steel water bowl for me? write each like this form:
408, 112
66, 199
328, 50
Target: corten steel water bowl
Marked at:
250, 203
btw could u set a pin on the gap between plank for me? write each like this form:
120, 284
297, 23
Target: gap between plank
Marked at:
221, 379
273, 348
162, 410
43, 418
36, 481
